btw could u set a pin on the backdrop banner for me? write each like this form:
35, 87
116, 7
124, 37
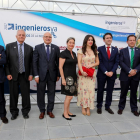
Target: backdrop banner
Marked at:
63, 26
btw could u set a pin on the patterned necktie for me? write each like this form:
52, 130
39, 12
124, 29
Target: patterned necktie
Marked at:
20, 59
108, 52
48, 53
132, 57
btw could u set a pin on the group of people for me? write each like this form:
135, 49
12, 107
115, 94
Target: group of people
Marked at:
46, 64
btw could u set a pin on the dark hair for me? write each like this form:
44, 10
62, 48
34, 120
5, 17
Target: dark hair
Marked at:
93, 47
70, 39
106, 35
131, 36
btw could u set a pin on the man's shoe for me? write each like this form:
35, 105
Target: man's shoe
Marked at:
135, 113
4, 120
41, 116
26, 116
99, 111
14, 117
51, 115
109, 111
120, 111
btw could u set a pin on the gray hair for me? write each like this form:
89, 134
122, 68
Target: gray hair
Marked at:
21, 30
70, 39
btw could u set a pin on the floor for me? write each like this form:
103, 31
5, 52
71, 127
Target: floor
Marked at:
94, 127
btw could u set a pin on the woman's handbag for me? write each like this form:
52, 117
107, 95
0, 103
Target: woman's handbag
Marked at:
89, 71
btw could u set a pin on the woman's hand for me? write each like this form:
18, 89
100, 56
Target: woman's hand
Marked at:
90, 66
84, 73
64, 82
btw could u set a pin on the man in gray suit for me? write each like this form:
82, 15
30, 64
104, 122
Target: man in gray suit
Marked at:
46, 71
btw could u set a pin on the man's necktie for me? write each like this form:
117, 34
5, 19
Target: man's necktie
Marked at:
48, 53
108, 52
132, 57
20, 59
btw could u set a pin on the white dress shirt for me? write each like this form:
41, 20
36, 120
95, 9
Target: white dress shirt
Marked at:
109, 48
49, 48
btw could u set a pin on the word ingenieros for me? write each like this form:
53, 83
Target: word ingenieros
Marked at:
114, 22
13, 26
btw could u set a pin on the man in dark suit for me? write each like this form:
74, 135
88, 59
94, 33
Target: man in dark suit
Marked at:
46, 71
109, 60
2, 79
130, 74
19, 73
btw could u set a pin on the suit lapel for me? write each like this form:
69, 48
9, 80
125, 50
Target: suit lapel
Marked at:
52, 52
44, 51
112, 52
135, 54
105, 52
25, 49
127, 54
15, 48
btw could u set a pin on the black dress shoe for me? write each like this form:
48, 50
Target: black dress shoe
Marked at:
135, 113
99, 111
109, 111
66, 118
14, 117
120, 111
26, 116
72, 115
4, 120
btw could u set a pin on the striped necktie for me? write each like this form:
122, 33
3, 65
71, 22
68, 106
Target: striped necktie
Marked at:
20, 59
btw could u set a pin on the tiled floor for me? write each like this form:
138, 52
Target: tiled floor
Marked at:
94, 127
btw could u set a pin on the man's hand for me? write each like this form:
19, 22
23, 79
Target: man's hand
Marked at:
107, 74
58, 78
37, 80
0, 56
110, 73
9, 77
132, 73
30, 78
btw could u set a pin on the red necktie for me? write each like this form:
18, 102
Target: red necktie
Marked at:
108, 52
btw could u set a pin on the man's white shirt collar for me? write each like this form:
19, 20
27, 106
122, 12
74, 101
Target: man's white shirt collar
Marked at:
46, 44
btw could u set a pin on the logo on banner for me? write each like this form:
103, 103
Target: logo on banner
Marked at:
114, 22
12, 26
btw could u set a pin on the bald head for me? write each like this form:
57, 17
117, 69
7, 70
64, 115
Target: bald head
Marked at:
47, 38
21, 35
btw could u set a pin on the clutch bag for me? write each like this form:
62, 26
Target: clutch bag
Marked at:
89, 71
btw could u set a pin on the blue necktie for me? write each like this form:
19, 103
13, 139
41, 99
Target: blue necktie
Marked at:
48, 53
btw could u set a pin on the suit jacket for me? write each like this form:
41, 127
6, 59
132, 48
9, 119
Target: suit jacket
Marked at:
2, 63
107, 64
125, 64
12, 67
41, 63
